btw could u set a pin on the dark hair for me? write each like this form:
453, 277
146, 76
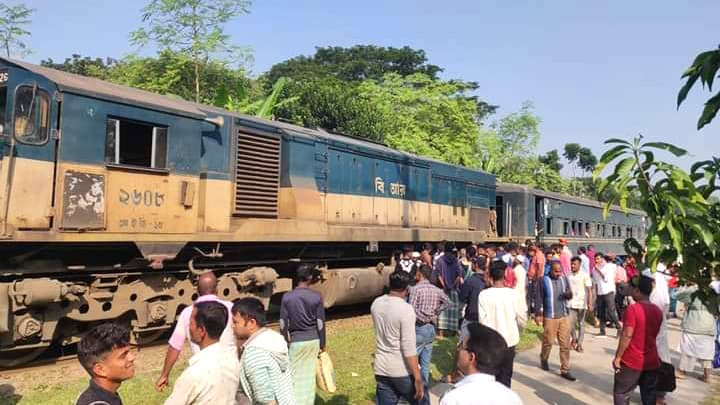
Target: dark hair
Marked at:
425, 270
576, 259
427, 246
99, 341
407, 249
480, 261
211, 316
599, 254
470, 251
305, 272
400, 280
252, 308
582, 249
440, 246
642, 283
555, 261
487, 345
511, 246
497, 270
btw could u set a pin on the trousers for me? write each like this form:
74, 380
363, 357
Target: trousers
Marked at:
607, 311
577, 325
557, 328
626, 379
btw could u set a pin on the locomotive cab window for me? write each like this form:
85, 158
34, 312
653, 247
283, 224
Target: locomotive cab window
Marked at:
32, 115
135, 144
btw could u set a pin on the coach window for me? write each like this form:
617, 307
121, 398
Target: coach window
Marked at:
32, 115
566, 228
548, 226
135, 144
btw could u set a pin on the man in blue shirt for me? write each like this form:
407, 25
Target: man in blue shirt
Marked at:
551, 309
302, 323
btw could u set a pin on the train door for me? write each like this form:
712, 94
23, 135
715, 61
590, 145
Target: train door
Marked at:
29, 131
500, 222
540, 214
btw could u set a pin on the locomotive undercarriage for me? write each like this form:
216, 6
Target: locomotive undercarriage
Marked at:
49, 297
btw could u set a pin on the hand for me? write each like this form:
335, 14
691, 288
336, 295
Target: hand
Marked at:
590, 308
419, 388
161, 383
538, 320
616, 363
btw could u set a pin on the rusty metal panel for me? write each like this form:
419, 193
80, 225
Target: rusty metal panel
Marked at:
479, 219
83, 200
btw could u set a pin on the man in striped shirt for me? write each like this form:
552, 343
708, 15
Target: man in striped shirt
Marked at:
553, 294
265, 376
427, 301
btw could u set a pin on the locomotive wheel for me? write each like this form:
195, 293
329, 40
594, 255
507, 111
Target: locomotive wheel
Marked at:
15, 358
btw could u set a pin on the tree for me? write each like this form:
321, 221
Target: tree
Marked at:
354, 64
13, 19
358, 63
191, 27
519, 132
682, 207
86, 66
552, 160
586, 160
332, 105
264, 107
704, 67
426, 116
173, 73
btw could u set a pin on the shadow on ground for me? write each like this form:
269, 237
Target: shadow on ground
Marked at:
8, 395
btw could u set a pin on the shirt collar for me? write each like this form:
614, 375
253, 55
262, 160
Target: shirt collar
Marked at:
476, 378
206, 298
207, 351
253, 336
102, 391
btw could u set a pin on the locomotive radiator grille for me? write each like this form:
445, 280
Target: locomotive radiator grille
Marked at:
257, 175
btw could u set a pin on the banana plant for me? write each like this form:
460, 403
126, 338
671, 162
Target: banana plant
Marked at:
263, 107
683, 225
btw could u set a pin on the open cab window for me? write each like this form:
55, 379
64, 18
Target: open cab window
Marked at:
32, 115
134, 143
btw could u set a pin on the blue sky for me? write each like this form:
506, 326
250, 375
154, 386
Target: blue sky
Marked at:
594, 70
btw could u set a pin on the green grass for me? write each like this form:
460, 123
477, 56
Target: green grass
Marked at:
351, 349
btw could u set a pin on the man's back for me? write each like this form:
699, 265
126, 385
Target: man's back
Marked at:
480, 389
212, 377
498, 309
181, 333
394, 322
301, 308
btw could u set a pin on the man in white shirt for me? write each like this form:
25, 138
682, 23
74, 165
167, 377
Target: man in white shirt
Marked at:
500, 308
584, 260
581, 301
207, 292
478, 358
213, 374
604, 277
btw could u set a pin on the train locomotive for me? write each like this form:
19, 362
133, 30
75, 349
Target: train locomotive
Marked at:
113, 198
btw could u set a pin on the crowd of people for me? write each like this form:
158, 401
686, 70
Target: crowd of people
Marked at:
483, 294
451, 290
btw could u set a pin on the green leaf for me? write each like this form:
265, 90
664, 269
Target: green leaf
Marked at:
682, 94
666, 146
618, 140
675, 236
709, 68
608, 157
711, 108
703, 231
675, 202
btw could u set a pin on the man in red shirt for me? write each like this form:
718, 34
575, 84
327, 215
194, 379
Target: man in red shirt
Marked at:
636, 360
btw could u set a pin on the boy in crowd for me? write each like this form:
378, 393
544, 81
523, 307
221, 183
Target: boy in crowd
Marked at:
104, 352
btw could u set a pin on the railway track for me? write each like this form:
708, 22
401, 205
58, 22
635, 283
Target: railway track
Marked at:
56, 358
